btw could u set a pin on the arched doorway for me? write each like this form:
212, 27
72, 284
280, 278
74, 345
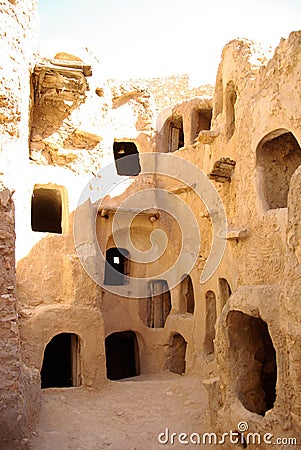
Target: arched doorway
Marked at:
173, 134
61, 363
176, 354
122, 355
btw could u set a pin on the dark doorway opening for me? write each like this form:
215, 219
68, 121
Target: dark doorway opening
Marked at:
61, 364
254, 356
46, 210
126, 158
116, 267
176, 354
122, 355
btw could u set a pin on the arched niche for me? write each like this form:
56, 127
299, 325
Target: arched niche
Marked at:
278, 155
252, 357
186, 295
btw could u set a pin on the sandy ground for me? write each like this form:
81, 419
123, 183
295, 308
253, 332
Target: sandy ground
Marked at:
126, 415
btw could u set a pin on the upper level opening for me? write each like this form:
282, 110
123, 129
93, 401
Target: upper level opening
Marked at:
126, 157
48, 209
200, 120
176, 134
116, 267
173, 134
278, 156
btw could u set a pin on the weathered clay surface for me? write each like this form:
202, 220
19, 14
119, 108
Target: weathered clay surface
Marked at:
240, 330
18, 410
19, 385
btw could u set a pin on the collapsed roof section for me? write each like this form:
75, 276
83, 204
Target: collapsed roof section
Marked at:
60, 80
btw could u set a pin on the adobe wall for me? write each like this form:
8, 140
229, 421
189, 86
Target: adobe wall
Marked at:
71, 139
128, 113
75, 119
72, 135
19, 384
289, 309
171, 90
18, 409
260, 269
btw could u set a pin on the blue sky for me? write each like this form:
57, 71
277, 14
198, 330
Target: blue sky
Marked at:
149, 38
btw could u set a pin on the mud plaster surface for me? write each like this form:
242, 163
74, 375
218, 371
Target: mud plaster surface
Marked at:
126, 415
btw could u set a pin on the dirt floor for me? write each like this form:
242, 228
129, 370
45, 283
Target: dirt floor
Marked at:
126, 415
